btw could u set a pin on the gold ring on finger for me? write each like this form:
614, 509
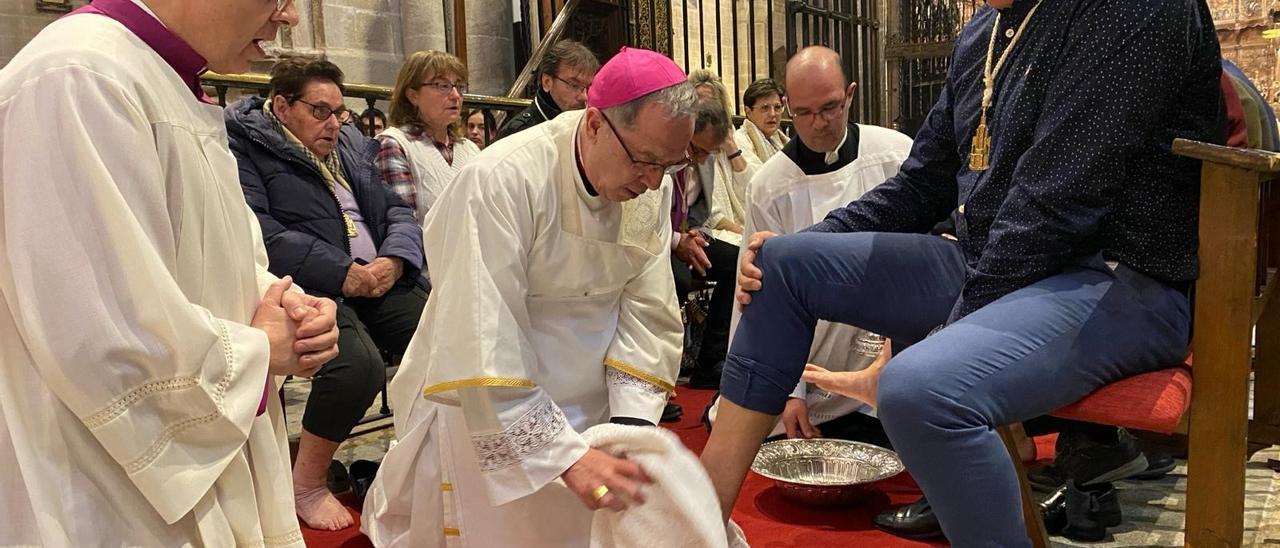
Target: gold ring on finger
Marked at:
600, 492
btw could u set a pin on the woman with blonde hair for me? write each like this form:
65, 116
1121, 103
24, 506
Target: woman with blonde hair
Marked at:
708, 84
423, 148
725, 170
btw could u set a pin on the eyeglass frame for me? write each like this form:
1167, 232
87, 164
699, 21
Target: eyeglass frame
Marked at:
779, 108
573, 86
342, 113
826, 112
444, 88
667, 169
280, 5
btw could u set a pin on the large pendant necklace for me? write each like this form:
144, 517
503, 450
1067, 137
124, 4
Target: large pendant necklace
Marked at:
980, 148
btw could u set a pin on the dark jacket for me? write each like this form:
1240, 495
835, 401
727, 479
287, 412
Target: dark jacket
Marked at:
541, 109
301, 220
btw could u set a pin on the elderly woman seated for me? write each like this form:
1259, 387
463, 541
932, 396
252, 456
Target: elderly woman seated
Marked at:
328, 221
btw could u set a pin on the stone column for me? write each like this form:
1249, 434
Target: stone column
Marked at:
423, 26
364, 38
490, 50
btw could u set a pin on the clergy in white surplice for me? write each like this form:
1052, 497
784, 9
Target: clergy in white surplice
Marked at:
794, 190
553, 310
138, 323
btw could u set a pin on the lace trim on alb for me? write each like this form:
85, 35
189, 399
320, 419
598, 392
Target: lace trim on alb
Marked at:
526, 436
616, 377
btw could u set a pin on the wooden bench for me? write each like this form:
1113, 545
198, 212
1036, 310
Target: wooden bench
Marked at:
1238, 253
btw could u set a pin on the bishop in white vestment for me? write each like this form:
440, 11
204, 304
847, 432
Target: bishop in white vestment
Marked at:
554, 310
132, 386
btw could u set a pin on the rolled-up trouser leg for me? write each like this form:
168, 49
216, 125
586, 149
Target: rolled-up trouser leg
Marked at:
1025, 355
898, 285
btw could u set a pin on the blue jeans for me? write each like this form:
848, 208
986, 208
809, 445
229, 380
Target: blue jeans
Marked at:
1023, 356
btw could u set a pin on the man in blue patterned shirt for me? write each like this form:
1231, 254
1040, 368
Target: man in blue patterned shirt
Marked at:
1076, 249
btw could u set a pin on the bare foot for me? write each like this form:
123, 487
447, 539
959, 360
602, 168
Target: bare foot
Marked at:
318, 509
859, 385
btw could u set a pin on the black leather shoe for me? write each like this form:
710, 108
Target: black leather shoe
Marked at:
1158, 466
707, 377
337, 480
1082, 514
1046, 479
672, 413
915, 520
362, 474
1054, 511
1089, 462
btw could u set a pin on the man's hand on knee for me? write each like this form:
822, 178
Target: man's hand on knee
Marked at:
748, 275
795, 420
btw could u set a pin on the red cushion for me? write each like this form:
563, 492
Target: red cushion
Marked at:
1152, 401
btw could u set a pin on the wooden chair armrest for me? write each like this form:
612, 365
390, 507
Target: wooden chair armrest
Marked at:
1260, 161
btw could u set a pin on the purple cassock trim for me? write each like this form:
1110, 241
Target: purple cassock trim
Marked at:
172, 48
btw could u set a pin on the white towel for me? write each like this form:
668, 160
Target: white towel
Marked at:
680, 508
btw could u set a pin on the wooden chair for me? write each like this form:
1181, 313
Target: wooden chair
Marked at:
1237, 283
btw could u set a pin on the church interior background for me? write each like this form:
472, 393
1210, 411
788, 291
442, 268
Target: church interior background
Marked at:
896, 49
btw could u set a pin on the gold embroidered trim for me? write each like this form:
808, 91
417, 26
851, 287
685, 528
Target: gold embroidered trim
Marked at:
452, 532
637, 373
478, 382
446, 487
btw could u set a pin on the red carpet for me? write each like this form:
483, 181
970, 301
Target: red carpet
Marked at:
769, 520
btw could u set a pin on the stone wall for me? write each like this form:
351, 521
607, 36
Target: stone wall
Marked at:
20, 22
367, 38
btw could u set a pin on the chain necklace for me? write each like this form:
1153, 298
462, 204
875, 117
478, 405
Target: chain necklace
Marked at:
980, 149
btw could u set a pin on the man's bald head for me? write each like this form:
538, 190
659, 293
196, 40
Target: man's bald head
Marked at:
818, 97
816, 63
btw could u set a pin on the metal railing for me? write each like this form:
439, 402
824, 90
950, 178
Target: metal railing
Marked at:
918, 54
850, 27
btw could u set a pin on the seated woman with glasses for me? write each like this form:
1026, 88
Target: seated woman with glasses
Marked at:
328, 222
760, 134
424, 148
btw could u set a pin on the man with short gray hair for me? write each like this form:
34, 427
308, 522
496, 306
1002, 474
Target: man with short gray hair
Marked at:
553, 311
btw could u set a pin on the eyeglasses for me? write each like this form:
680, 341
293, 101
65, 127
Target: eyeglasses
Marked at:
444, 88
829, 112
767, 109
281, 4
579, 88
669, 169
323, 112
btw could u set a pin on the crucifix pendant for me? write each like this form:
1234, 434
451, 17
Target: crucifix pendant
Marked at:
980, 149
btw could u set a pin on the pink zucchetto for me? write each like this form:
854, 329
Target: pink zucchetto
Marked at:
630, 75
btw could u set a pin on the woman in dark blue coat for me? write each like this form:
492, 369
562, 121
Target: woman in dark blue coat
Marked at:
331, 224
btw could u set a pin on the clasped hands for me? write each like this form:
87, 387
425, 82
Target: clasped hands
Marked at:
373, 279
302, 330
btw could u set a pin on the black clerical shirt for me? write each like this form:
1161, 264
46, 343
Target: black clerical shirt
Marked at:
1084, 114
